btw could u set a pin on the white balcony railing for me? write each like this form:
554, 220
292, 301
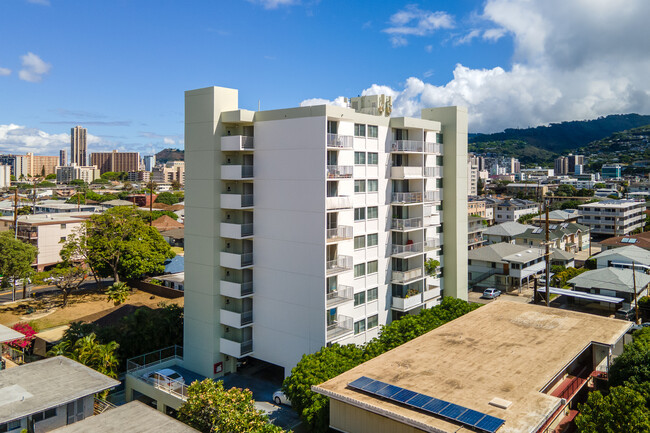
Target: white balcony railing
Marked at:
339, 326
407, 303
433, 171
432, 196
339, 295
339, 202
406, 249
340, 264
407, 146
339, 171
431, 244
237, 142
407, 197
339, 233
340, 141
406, 224
401, 277
433, 147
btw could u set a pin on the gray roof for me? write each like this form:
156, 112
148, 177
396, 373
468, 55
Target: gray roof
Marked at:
557, 254
560, 215
495, 252
117, 203
619, 280
45, 384
510, 228
8, 334
631, 252
132, 417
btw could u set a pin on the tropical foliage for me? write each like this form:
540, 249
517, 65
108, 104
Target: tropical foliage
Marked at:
211, 408
15, 260
91, 353
67, 277
26, 341
118, 293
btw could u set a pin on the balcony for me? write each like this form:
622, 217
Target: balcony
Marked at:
339, 171
236, 142
404, 172
433, 148
340, 326
235, 290
340, 264
405, 251
236, 201
340, 295
406, 197
431, 293
433, 196
339, 233
404, 277
406, 224
339, 141
431, 244
407, 146
235, 348
236, 172
433, 172
235, 319
236, 260
339, 202
236, 231
407, 303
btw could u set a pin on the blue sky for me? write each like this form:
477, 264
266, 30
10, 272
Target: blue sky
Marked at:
120, 68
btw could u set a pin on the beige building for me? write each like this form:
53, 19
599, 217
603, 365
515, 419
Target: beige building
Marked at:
72, 172
46, 232
170, 172
78, 146
310, 226
472, 175
551, 356
34, 165
115, 161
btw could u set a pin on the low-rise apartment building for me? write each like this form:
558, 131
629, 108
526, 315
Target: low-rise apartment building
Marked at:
173, 171
612, 217
44, 395
513, 209
46, 232
400, 392
5, 176
73, 172
115, 161
572, 237
505, 232
476, 225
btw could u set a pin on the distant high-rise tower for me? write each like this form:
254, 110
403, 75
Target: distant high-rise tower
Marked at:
149, 162
63, 157
78, 148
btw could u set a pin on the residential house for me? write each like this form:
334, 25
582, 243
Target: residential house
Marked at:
513, 209
641, 240
505, 232
557, 217
623, 257
572, 237
614, 282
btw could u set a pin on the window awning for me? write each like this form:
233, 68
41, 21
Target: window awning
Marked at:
581, 295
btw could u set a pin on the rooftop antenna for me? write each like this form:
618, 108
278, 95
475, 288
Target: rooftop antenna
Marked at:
259, 104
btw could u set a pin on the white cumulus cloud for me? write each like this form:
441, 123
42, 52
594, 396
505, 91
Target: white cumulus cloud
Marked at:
413, 21
571, 60
339, 102
33, 68
18, 139
4, 72
274, 4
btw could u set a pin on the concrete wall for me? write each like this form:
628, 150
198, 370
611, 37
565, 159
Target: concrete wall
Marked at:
347, 418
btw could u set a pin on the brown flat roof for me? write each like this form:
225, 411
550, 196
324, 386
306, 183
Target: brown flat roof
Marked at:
503, 350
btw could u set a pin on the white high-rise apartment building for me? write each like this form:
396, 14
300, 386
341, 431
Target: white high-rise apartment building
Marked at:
310, 226
149, 162
78, 146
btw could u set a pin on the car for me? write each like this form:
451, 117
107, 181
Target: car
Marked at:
625, 313
491, 293
165, 377
280, 397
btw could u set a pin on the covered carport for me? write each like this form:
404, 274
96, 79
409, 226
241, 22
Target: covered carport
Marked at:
584, 298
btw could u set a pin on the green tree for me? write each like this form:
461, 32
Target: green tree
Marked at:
46, 184
561, 278
89, 352
115, 176
15, 260
599, 185
67, 277
176, 185
211, 408
623, 410
79, 182
118, 293
633, 365
167, 198
121, 245
100, 181
50, 176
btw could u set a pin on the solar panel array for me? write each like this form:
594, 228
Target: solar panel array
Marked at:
537, 231
564, 225
415, 400
553, 226
628, 240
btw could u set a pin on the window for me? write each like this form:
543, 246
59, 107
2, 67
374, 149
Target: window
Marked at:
359, 186
372, 294
359, 130
50, 413
360, 326
359, 158
359, 270
373, 185
373, 158
373, 131
11, 425
359, 213
372, 240
63, 239
359, 242
332, 127
359, 298
373, 321
372, 267
373, 212
62, 226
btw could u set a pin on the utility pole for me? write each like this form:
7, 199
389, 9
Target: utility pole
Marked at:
16, 213
548, 257
636, 305
151, 204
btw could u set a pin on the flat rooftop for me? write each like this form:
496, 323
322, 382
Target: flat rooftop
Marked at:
8, 334
503, 350
50, 218
45, 384
131, 417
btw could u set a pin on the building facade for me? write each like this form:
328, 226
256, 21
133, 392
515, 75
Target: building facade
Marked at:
472, 175
72, 172
513, 209
149, 162
612, 217
611, 171
5, 176
115, 161
310, 226
170, 172
63, 157
78, 146
34, 165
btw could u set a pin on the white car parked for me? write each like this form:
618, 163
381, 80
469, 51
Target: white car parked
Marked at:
165, 377
280, 398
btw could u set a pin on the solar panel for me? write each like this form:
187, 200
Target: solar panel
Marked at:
564, 225
553, 226
429, 404
537, 231
405, 395
490, 424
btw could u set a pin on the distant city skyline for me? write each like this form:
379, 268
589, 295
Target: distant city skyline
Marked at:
513, 63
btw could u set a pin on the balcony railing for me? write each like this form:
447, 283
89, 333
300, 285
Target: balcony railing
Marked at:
431, 244
407, 146
236, 289
340, 264
432, 196
339, 295
341, 325
433, 147
407, 303
433, 171
340, 141
339, 171
406, 224
401, 277
236, 142
406, 249
235, 347
339, 202
407, 197
339, 233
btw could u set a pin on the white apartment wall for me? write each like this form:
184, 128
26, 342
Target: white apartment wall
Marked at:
49, 246
5, 176
289, 242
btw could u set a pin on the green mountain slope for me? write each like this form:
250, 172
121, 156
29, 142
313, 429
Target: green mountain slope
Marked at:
170, 155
